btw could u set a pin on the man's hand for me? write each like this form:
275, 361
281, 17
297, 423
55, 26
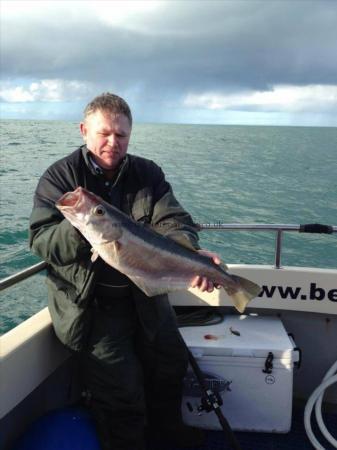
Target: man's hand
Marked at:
202, 282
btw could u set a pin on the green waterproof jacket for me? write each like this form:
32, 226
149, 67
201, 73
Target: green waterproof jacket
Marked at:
141, 191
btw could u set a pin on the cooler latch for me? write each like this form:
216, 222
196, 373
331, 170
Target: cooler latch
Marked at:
298, 361
268, 364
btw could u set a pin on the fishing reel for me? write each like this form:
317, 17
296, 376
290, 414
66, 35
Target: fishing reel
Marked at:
209, 401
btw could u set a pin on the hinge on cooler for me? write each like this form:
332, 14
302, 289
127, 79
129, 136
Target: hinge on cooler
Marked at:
268, 364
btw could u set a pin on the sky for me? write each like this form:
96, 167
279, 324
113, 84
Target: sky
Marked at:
269, 62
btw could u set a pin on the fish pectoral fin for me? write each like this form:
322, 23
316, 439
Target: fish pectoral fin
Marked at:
118, 246
94, 255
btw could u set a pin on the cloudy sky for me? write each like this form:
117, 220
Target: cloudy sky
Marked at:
185, 61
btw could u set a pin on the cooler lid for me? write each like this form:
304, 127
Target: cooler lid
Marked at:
252, 336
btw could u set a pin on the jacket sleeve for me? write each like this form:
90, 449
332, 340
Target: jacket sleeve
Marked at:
169, 217
51, 236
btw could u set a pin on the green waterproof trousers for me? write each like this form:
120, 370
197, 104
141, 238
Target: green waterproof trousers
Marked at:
131, 381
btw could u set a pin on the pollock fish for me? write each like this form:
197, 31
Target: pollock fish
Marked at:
155, 263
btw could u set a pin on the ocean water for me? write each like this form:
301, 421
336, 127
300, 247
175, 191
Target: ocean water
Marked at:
229, 174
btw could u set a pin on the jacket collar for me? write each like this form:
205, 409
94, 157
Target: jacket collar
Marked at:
96, 170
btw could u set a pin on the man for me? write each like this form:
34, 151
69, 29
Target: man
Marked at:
131, 355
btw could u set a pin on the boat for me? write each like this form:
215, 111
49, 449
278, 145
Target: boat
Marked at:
37, 373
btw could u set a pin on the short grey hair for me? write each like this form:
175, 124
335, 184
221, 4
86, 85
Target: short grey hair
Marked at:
108, 102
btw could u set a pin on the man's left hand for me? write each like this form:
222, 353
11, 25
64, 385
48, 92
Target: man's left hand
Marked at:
202, 282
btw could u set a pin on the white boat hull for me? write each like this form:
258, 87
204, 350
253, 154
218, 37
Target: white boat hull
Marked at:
288, 289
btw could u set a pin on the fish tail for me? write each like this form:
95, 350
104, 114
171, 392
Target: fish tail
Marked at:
245, 291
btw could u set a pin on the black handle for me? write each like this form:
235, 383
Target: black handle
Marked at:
316, 228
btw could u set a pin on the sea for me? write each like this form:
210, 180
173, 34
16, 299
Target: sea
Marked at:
220, 174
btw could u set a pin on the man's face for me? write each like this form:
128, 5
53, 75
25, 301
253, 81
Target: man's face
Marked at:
107, 137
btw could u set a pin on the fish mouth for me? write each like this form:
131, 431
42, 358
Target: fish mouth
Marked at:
70, 199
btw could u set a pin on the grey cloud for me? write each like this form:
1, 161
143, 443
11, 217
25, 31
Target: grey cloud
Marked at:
186, 47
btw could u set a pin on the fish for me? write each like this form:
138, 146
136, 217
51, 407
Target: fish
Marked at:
153, 262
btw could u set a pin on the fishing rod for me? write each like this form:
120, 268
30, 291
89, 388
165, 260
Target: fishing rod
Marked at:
211, 401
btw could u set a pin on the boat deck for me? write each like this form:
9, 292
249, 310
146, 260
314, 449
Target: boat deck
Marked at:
296, 439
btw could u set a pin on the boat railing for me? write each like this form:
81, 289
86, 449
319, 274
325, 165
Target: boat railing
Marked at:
22, 275
278, 229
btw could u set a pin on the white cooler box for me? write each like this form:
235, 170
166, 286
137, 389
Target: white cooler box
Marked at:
249, 360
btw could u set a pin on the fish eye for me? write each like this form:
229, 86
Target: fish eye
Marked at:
99, 210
